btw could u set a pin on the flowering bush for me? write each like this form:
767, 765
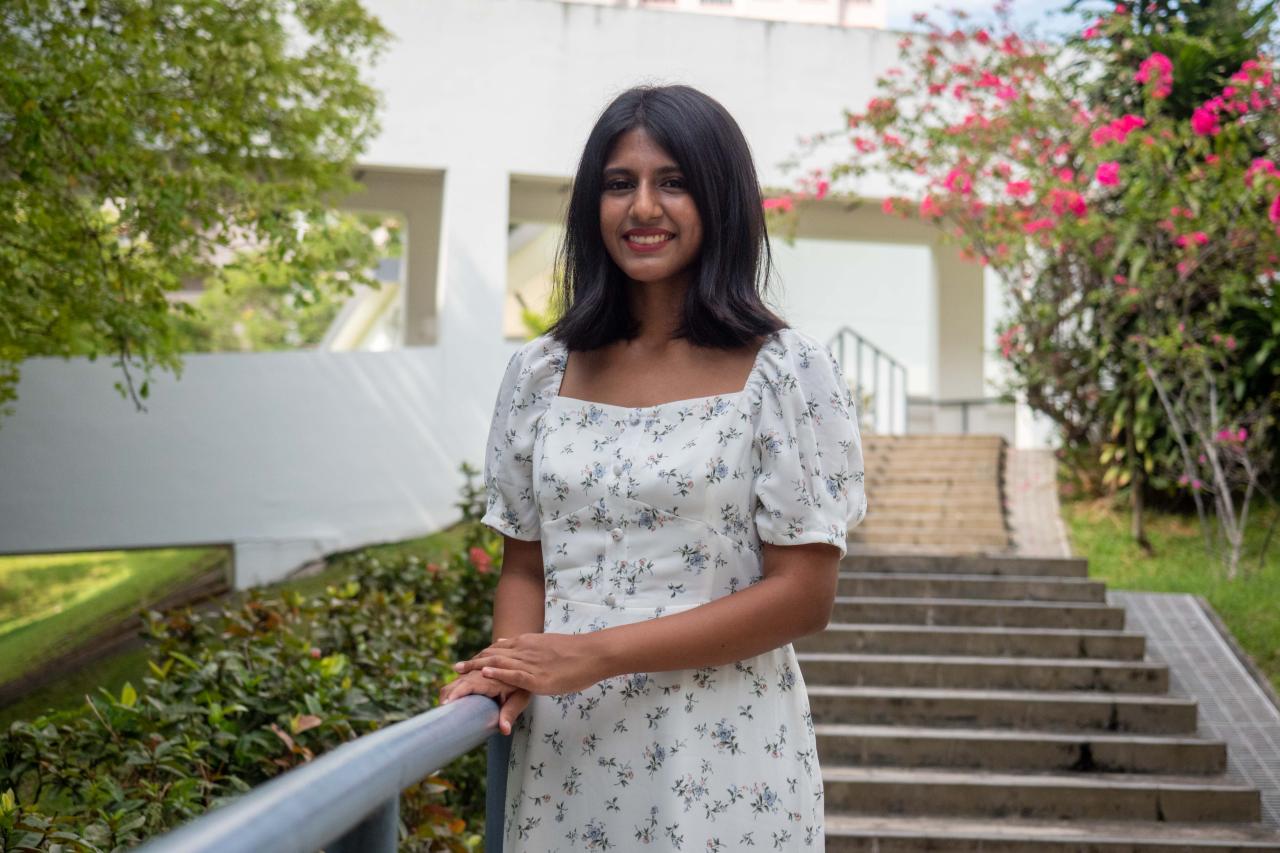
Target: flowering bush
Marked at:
1137, 247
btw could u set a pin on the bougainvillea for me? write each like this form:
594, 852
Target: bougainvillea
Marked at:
1132, 244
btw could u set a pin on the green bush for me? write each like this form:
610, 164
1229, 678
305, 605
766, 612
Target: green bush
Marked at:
242, 694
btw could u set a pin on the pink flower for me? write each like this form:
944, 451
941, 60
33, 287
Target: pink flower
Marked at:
1093, 30
887, 205
1183, 480
957, 180
1261, 164
481, 558
1231, 342
1159, 68
1241, 434
822, 188
1196, 484
1037, 225
929, 207
783, 203
1119, 279
1274, 213
1017, 188
1117, 131
1204, 122
1062, 201
1108, 173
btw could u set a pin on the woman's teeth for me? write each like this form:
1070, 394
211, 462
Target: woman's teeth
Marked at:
648, 241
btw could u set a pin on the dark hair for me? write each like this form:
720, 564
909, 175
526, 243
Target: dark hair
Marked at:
723, 306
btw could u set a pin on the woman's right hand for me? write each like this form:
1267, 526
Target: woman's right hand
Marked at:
512, 700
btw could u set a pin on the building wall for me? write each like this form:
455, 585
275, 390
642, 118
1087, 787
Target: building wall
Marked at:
289, 455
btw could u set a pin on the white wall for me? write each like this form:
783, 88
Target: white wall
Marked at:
293, 454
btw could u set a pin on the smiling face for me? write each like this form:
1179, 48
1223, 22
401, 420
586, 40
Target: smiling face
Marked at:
648, 220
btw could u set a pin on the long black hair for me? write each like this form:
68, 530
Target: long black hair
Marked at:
723, 305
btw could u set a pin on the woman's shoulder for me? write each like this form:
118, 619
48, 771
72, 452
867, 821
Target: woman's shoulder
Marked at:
533, 372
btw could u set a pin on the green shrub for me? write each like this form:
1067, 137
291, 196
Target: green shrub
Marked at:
242, 694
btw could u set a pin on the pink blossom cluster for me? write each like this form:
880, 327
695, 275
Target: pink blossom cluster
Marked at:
1117, 131
1159, 67
1229, 341
1230, 436
1194, 482
1006, 340
1197, 237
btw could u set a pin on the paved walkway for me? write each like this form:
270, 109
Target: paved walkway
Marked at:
1031, 504
1233, 707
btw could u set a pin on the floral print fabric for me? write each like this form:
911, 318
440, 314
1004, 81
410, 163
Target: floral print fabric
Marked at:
648, 511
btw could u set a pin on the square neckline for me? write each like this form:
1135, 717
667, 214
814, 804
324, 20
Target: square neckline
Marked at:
730, 395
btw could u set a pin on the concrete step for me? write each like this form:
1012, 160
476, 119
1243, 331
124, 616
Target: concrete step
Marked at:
950, 550
933, 507
977, 612
928, 536
1075, 796
1001, 750
1071, 567
939, 515
983, 673
952, 585
927, 489
967, 442
925, 476
968, 640
847, 833
1061, 710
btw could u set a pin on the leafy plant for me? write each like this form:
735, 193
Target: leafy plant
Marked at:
242, 694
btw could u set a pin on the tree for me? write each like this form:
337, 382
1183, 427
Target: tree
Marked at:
138, 138
1106, 227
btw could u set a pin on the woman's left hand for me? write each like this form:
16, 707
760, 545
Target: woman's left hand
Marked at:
542, 663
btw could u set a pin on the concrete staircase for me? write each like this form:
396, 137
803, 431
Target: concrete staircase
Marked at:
967, 703
940, 494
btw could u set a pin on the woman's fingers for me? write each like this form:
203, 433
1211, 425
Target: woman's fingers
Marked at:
514, 677
511, 709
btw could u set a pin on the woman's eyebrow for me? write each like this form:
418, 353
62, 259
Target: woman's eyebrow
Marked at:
623, 170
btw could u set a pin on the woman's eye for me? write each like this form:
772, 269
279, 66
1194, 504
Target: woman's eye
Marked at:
621, 185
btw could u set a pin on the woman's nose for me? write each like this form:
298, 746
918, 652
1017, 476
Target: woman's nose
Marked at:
646, 204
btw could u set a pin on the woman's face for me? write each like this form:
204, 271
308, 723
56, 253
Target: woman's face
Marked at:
646, 198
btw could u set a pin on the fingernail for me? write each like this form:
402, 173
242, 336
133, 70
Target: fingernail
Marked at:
458, 665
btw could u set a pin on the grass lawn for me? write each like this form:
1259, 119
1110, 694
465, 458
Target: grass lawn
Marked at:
49, 603
1249, 605
113, 671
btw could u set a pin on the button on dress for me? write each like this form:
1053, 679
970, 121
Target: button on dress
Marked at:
648, 511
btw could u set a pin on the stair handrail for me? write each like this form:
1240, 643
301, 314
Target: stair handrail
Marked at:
348, 799
840, 344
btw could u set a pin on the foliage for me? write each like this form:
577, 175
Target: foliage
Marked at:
1111, 230
244, 693
139, 139
1249, 605
256, 303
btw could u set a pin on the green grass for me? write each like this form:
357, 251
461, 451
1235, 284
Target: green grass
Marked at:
130, 665
1249, 605
49, 603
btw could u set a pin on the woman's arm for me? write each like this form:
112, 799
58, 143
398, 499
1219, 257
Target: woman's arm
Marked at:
518, 600
794, 598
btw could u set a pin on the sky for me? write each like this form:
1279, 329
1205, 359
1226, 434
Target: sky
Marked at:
1045, 15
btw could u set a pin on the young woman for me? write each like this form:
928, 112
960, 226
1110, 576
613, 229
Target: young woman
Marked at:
674, 471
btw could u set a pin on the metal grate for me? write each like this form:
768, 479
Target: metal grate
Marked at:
1232, 706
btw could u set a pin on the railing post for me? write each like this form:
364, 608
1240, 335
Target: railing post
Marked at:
379, 832
498, 751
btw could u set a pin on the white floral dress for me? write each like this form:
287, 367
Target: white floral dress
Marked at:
648, 511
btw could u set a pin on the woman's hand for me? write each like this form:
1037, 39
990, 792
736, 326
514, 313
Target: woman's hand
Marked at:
543, 663
512, 700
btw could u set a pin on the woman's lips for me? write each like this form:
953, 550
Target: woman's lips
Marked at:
646, 248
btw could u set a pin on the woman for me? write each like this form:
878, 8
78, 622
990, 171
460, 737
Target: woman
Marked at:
674, 471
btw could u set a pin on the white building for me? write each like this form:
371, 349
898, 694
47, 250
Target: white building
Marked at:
487, 104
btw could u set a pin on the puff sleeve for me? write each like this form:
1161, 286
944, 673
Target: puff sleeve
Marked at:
528, 383
809, 475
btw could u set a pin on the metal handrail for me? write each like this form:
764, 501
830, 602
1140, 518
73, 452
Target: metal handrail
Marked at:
897, 392
964, 405
348, 799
